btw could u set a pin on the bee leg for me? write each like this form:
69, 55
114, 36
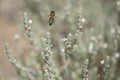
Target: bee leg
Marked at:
50, 21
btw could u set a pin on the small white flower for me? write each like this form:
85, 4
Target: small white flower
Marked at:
70, 34
25, 13
93, 38
16, 36
81, 27
46, 70
62, 50
14, 61
117, 55
83, 19
68, 46
105, 45
29, 28
48, 33
90, 49
118, 3
102, 62
30, 21
64, 39
112, 30
87, 61
42, 53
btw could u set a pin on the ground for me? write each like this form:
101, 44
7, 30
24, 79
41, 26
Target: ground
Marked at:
7, 31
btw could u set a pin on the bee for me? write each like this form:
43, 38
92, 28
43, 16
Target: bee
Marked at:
51, 17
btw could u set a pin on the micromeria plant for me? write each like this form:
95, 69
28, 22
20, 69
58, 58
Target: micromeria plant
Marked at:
83, 55
28, 29
85, 69
69, 43
17, 65
47, 53
106, 67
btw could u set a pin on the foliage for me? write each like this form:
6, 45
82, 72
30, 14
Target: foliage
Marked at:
88, 50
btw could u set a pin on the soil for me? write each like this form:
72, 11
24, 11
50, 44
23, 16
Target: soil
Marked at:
7, 31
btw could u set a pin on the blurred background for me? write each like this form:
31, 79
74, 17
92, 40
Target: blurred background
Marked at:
101, 16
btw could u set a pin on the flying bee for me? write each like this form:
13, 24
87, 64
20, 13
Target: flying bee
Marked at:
51, 17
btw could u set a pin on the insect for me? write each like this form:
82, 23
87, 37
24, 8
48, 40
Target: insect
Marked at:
51, 17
